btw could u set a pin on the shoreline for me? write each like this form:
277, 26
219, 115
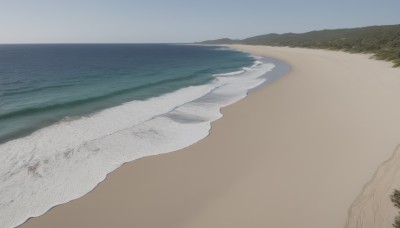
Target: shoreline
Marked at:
280, 169
112, 137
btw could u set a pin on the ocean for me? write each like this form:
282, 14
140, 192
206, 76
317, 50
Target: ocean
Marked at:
72, 113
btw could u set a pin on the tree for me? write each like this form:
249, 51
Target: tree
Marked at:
396, 201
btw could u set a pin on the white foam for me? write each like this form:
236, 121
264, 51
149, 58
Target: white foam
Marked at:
64, 161
257, 63
230, 73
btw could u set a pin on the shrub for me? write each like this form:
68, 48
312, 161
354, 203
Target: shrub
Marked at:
395, 198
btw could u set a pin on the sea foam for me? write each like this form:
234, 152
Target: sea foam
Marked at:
68, 159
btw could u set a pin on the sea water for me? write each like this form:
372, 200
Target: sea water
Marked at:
70, 114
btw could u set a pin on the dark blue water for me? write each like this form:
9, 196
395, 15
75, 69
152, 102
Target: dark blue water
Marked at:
42, 84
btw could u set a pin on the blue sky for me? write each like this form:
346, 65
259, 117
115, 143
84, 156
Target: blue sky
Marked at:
105, 21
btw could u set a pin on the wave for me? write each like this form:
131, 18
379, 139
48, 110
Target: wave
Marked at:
86, 101
35, 166
244, 69
21, 91
230, 73
256, 63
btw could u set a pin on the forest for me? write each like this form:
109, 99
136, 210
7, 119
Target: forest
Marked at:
381, 41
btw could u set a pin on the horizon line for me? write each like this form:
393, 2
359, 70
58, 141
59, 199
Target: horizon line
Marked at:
97, 43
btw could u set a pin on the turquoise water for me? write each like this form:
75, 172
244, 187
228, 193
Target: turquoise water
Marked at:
71, 114
42, 84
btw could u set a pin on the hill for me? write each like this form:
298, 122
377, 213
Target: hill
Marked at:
382, 41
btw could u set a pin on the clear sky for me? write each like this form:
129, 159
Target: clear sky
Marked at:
149, 21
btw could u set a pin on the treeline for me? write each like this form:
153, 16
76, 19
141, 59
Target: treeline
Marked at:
382, 41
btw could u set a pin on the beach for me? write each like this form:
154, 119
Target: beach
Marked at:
307, 150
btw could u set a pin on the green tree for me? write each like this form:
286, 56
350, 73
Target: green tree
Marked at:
396, 201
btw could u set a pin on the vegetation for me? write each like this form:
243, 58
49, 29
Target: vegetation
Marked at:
382, 41
396, 201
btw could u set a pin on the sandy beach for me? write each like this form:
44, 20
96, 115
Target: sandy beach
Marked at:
316, 148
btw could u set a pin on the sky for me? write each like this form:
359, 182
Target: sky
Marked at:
177, 21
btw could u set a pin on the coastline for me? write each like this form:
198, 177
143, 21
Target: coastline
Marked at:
35, 166
301, 159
